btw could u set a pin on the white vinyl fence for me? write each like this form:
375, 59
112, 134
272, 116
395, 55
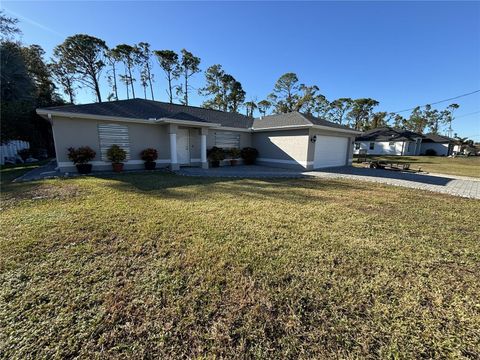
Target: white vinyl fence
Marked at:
10, 149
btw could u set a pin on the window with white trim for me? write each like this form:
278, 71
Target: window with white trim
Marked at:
372, 146
357, 146
113, 134
227, 139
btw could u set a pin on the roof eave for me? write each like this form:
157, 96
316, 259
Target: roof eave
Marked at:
231, 128
330, 128
167, 120
46, 113
286, 127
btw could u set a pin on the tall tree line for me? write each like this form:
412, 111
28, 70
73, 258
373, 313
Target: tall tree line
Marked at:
290, 95
82, 61
222, 90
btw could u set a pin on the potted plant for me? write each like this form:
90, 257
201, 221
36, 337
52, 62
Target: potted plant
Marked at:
116, 155
249, 155
234, 155
215, 154
80, 157
149, 156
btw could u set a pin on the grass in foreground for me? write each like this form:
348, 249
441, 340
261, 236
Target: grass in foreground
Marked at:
462, 166
155, 265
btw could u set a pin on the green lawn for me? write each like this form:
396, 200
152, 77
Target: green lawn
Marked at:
463, 166
162, 266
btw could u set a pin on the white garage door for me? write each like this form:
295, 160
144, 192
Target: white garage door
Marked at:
330, 151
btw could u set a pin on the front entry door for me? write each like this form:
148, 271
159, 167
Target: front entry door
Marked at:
183, 146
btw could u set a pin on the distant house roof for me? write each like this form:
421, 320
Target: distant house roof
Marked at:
435, 138
149, 109
294, 119
388, 134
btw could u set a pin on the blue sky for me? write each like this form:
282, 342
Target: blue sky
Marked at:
401, 54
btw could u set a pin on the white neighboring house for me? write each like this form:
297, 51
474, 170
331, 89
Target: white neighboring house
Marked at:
389, 141
442, 145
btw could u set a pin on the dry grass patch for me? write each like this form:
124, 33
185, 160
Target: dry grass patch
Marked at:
155, 265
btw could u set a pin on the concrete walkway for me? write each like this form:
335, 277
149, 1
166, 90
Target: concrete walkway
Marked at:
46, 171
440, 183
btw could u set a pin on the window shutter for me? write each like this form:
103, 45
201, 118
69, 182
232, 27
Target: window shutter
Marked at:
113, 134
227, 139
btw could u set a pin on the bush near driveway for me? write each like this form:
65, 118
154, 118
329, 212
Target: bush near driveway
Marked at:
157, 265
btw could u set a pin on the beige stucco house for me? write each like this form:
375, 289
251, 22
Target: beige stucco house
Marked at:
182, 135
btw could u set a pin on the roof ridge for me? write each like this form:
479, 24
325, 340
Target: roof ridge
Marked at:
283, 114
303, 116
150, 102
190, 106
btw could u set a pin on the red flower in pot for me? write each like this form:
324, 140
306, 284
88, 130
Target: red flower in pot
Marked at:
149, 156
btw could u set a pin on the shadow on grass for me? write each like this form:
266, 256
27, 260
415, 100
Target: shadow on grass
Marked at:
167, 185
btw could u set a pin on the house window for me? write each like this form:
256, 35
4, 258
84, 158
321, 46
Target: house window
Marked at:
110, 134
392, 143
357, 146
227, 140
372, 146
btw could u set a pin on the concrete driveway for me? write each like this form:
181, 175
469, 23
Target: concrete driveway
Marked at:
445, 184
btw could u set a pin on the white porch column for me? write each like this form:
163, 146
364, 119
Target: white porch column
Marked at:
173, 147
203, 147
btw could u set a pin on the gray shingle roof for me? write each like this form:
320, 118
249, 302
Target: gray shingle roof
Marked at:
148, 109
293, 119
185, 116
388, 134
435, 138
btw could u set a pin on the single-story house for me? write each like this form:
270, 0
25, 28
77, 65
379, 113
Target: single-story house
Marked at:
182, 135
389, 141
442, 145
